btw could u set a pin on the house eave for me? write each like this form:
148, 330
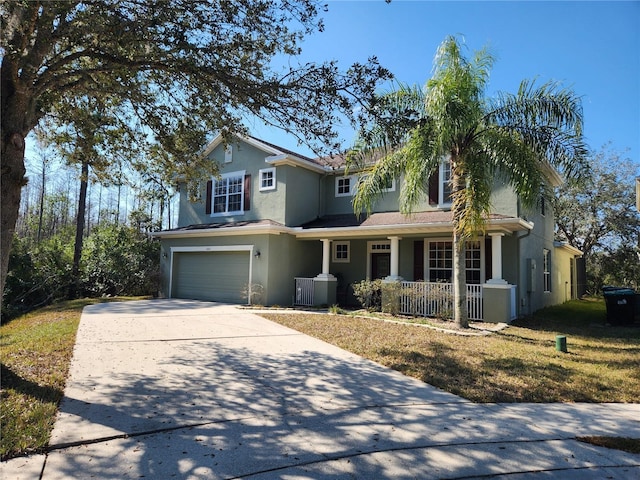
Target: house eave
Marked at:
223, 232
569, 248
507, 226
293, 161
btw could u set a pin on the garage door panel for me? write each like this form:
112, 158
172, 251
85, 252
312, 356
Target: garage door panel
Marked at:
217, 276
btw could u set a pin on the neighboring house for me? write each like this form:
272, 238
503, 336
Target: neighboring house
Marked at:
277, 228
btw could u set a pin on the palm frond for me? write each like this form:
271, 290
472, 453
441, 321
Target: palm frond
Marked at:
549, 119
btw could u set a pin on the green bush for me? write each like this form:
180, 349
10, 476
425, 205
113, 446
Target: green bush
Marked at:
38, 275
120, 260
391, 292
369, 294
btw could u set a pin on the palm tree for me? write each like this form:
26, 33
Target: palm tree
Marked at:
515, 137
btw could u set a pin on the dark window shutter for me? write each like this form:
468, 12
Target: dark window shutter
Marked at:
418, 260
207, 202
487, 259
247, 192
434, 188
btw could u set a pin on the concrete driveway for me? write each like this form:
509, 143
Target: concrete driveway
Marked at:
185, 389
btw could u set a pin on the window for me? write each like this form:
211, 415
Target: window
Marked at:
440, 262
380, 247
543, 207
473, 263
228, 194
344, 186
445, 183
440, 258
341, 252
546, 269
228, 154
268, 179
389, 186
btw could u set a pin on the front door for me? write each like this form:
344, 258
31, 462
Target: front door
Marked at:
380, 265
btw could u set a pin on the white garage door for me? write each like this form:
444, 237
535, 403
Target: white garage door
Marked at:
217, 276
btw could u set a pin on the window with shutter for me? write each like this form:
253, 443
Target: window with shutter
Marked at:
228, 194
440, 185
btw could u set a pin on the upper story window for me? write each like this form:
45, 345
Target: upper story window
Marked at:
268, 179
345, 186
228, 194
444, 197
543, 207
390, 186
228, 154
440, 185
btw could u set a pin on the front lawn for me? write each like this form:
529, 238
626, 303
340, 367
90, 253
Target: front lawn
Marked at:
35, 352
517, 364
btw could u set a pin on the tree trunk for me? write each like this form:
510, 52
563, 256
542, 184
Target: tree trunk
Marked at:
460, 315
77, 249
42, 192
13, 179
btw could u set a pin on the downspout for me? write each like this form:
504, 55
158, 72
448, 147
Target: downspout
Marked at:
520, 237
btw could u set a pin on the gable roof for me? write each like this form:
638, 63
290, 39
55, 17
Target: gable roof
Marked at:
275, 155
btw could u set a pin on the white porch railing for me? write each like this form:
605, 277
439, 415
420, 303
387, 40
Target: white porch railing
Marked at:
431, 299
304, 291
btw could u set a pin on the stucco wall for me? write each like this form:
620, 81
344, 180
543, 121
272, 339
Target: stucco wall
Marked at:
281, 259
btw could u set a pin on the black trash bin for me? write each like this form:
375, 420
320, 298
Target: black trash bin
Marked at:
620, 304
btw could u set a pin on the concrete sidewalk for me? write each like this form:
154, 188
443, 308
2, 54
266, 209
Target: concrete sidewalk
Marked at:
186, 389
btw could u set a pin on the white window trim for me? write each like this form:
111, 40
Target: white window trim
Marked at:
426, 266
241, 174
392, 188
441, 202
264, 171
352, 183
334, 255
546, 271
371, 248
228, 154
362, 178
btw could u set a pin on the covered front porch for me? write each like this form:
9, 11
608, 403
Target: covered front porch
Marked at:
416, 264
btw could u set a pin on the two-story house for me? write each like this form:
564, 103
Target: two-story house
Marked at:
277, 228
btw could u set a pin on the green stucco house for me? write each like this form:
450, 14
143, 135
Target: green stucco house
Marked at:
278, 228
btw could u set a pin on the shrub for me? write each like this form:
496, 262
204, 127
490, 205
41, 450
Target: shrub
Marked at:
38, 275
369, 294
120, 260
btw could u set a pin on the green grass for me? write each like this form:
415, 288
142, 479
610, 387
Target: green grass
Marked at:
35, 352
517, 364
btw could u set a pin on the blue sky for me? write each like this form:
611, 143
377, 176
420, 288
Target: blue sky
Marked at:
592, 47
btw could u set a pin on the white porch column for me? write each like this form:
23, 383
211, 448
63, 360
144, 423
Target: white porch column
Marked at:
496, 259
326, 258
395, 259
